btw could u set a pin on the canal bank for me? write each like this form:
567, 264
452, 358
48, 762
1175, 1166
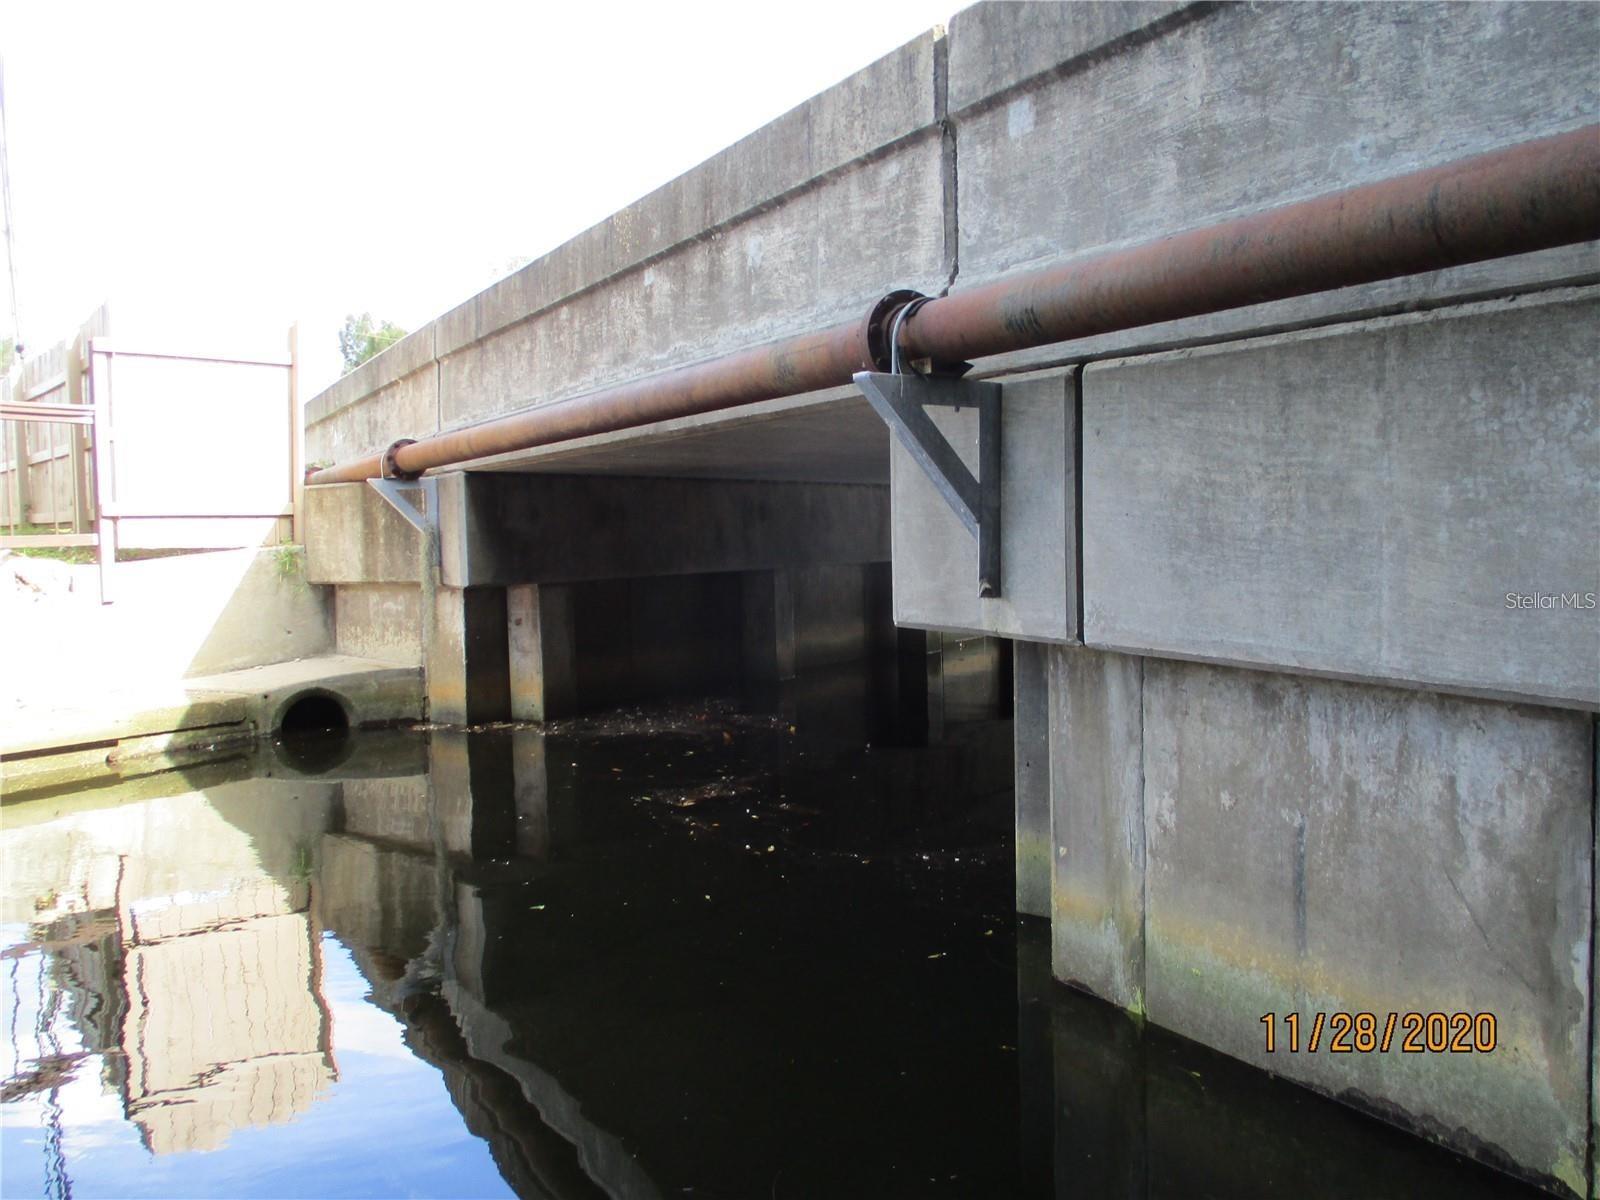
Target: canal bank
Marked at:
199, 653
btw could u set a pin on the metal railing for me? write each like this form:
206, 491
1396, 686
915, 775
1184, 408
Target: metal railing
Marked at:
66, 482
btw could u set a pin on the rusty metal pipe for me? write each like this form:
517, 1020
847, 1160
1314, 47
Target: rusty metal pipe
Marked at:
1527, 197
791, 367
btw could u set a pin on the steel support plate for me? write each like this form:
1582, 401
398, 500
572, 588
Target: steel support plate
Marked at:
902, 401
417, 500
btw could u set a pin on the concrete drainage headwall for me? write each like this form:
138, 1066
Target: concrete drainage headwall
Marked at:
313, 710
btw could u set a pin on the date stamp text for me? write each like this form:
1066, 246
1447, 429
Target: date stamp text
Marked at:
1369, 1033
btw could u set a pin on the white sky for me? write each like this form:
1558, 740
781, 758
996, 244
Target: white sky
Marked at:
219, 170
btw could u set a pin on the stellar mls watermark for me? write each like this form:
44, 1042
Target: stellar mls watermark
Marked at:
1551, 600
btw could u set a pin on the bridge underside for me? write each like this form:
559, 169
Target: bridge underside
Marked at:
828, 437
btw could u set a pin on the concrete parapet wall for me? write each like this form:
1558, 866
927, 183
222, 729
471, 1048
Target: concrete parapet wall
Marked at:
1230, 844
730, 289
1082, 128
368, 422
1233, 108
703, 265
996, 148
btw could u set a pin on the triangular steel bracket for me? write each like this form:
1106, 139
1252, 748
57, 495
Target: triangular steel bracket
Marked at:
901, 401
417, 500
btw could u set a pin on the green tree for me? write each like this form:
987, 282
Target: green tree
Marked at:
362, 337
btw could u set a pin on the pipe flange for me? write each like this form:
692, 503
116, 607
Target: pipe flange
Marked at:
875, 330
391, 468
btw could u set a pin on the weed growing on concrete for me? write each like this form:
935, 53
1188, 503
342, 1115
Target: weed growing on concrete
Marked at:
286, 563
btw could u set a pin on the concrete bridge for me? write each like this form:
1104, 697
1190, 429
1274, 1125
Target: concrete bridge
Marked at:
1299, 594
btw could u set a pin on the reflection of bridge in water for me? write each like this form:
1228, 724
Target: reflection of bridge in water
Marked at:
627, 993
562, 923
181, 960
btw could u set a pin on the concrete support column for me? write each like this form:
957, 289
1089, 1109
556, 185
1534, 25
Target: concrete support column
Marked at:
542, 668
769, 628
531, 779
933, 682
472, 786
1097, 867
1035, 1061
1031, 731
968, 677
471, 783
467, 657
1102, 1104
1229, 844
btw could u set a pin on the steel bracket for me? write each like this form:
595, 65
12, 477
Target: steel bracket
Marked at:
417, 500
902, 401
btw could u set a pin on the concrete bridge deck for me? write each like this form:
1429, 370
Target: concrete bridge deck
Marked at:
1301, 595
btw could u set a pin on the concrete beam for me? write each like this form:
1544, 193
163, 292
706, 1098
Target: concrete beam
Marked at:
510, 528
620, 641
1231, 844
936, 559
831, 436
1358, 501
354, 536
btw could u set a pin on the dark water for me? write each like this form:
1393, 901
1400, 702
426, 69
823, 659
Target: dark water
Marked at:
693, 952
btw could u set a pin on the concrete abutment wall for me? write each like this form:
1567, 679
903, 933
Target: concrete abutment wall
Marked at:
1229, 844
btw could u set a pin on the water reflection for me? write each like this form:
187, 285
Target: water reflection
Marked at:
129, 907
697, 951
